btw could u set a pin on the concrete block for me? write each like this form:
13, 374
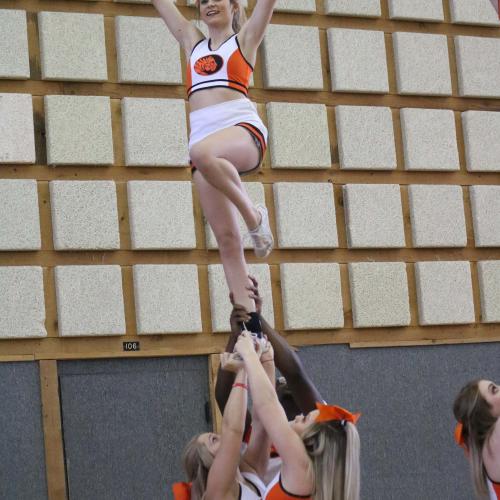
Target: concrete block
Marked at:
72, 46
482, 147
293, 126
355, 8
305, 215
437, 216
17, 134
365, 138
358, 61
219, 295
78, 130
305, 6
374, 216
146, 51
22, 302
154, 132
485, 204
479, 12
191, 3
423, 10
132, 1
255, 191
84, 215
444, 293
292, 58
422, 64
379, 294
14, 54
89, 301
312, 296
429, 139
478, 66
161, 215
167, 299
19, 215
489, 286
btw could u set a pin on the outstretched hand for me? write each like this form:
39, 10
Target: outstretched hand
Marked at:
238, 315
231, 362
246, 345
253, 288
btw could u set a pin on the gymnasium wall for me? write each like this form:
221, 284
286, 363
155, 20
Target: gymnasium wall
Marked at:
381, 179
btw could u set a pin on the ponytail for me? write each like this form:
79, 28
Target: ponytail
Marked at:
239, 17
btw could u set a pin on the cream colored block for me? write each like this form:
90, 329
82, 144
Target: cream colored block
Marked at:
379, 294
422, 64
358, 61
147, 52
22, 302
89, 301
444, 293
485, 204
478, 66
365, 138
489, 286
305, 215
154, 132
72, 46
161, 215
292, 58
14, 55
167, 299
479, 12
357, 8
78, 130
312, 296
305, 6
17, 133
421, 10
298, 135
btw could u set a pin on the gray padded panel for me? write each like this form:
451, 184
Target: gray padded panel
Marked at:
22, 452
406, 397
126, 423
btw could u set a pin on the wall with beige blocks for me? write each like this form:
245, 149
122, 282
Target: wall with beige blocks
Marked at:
382, 178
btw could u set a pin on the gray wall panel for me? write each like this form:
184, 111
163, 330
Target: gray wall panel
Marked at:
126, 423
22, 452
406, 397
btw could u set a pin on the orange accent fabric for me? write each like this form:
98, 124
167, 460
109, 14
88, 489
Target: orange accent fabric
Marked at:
238, 71
496, 489
182, 491
278, 493
459, 435
329, 412
257, 134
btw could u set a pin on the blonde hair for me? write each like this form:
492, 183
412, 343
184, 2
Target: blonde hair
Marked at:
239, 17
334, 451
197, 461
474, 412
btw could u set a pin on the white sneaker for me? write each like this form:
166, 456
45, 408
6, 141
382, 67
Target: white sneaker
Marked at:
262, 237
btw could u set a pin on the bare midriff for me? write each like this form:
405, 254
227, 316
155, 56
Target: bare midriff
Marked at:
209, 97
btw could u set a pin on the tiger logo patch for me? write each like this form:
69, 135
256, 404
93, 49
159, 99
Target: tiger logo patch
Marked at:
208, 65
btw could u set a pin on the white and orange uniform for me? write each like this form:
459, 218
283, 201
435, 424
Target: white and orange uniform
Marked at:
493, 489
224, 67
274, 490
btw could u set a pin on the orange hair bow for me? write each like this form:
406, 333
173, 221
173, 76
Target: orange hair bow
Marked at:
459, 435
329, 412
182, 491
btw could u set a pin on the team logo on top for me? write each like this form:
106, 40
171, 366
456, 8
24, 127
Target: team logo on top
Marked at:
208, 65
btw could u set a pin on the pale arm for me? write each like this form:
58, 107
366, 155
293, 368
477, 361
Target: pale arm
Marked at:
182, 29
288, 444
252, 32
222, 474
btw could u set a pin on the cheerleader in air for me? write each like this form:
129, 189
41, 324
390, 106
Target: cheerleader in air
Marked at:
227, 138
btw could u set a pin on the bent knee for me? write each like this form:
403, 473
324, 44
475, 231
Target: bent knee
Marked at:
201, 156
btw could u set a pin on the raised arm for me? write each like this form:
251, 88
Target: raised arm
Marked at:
252, 32
296, 464
222, 474
183, 30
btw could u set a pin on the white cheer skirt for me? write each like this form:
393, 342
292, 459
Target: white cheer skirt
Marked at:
210, 119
